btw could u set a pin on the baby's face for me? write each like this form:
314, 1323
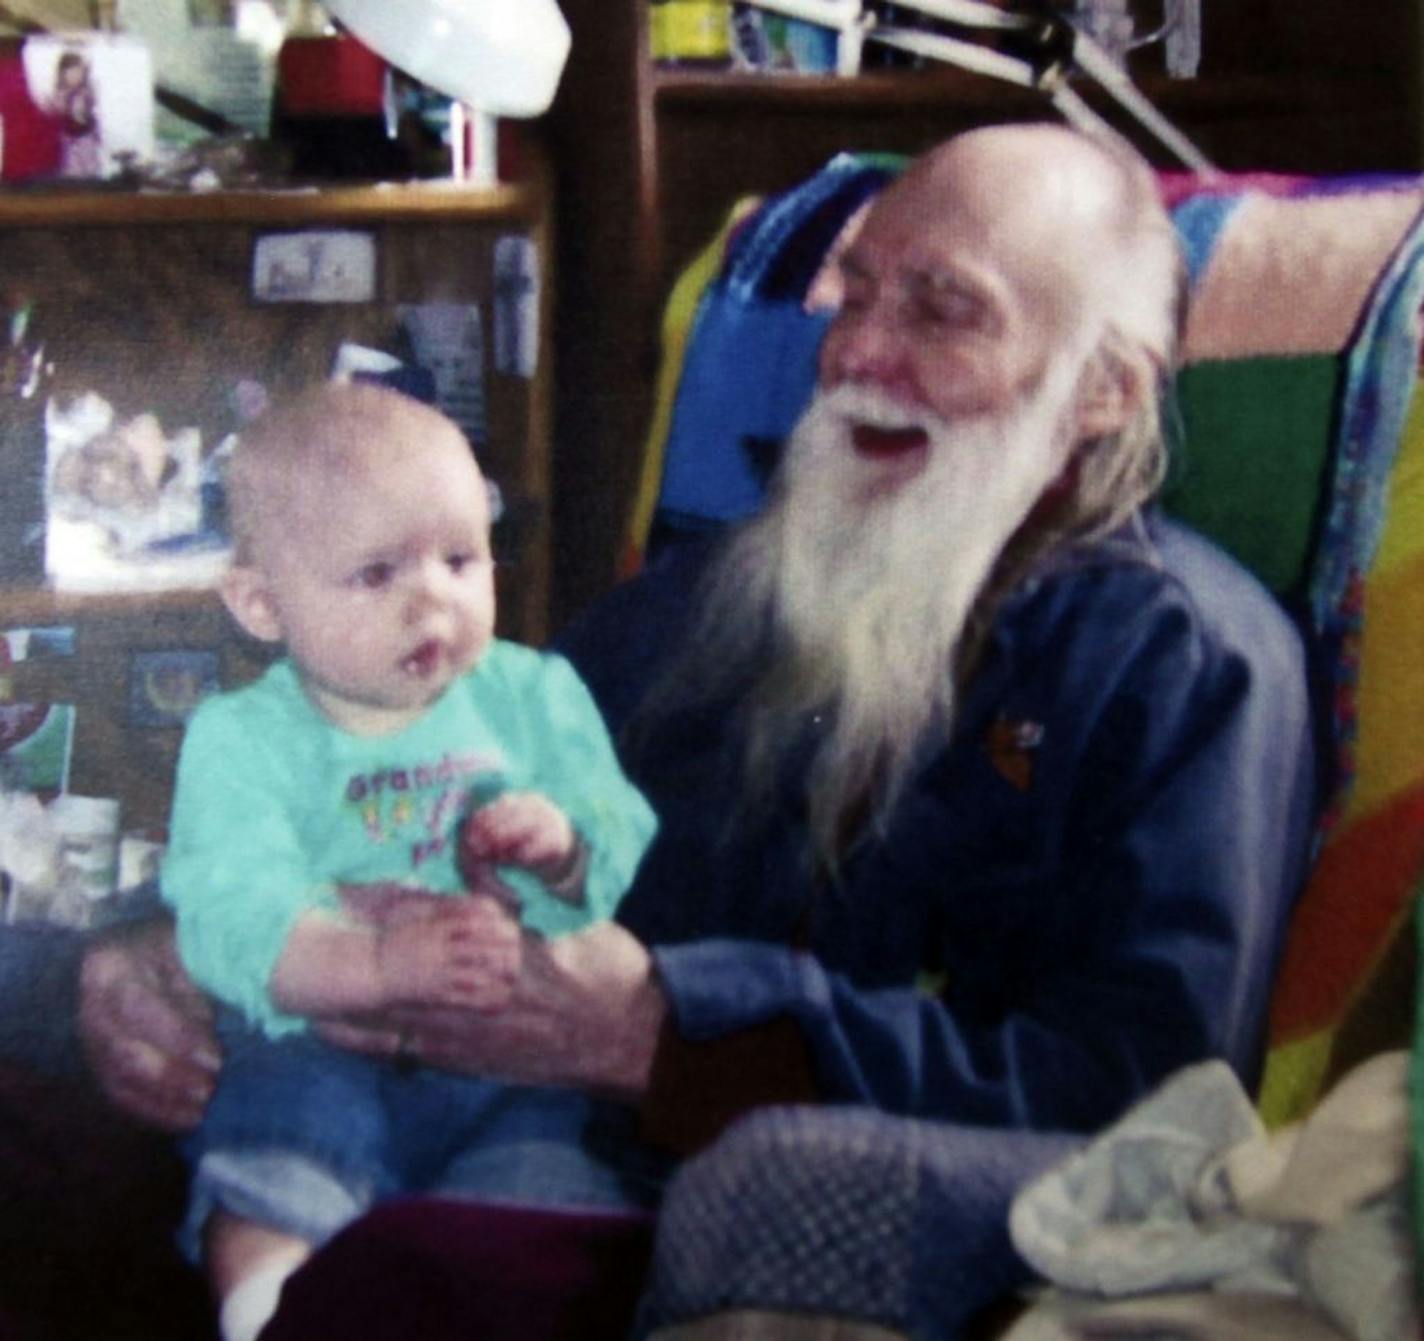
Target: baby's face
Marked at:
384, 582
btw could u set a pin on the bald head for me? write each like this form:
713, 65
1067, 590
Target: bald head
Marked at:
1041, 164
293, 461
1081, 218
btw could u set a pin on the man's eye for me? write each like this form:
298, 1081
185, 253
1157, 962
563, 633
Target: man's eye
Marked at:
374, 576
951, 310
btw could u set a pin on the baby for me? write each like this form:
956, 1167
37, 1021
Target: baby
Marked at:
396, 742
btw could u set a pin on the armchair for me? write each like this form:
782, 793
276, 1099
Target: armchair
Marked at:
1300, 452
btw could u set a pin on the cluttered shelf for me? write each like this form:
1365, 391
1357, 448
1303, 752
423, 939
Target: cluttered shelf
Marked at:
412, 202
171, 316
144, 329
39, 605
1235, 95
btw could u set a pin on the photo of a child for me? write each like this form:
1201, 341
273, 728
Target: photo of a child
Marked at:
75, 103
95, 90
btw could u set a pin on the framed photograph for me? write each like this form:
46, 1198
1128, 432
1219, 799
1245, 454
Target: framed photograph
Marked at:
165, 686
315, 266
516, 305
448, 340
99, 89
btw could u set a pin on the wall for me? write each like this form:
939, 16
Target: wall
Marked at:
47, 13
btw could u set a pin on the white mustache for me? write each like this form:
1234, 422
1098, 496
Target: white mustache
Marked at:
855, 404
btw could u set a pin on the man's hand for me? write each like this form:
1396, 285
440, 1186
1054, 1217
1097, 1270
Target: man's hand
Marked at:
585, 1011
146, 1030
463, 953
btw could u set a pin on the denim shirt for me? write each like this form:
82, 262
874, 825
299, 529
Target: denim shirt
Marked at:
1084, 886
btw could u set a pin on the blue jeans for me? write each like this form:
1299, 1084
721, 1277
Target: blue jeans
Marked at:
303, 1137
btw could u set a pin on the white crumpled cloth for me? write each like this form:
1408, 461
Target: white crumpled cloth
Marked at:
1187, 1219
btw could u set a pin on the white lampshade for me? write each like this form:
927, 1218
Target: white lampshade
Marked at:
501, 56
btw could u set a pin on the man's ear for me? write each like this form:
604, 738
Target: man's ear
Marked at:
1109, 394
248, 596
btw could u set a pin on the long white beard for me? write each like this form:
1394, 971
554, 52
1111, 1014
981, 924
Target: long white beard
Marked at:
864, 596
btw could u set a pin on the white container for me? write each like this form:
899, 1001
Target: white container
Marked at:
88, 828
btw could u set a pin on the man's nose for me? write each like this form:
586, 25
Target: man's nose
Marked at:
864, 346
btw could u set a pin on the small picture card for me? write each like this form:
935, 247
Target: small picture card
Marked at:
39, 644
516, 305
447, 339
98, 88
35, 744
165, 687
315, 266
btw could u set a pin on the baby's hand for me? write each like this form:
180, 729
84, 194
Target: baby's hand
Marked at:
520, 829
466, 953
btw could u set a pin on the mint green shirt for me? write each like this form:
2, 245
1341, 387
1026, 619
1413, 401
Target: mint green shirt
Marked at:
275, 807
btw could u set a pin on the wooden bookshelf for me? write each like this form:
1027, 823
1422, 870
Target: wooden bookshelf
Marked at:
407, 202
147, 299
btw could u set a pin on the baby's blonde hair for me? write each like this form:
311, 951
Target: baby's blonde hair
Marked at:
330, 428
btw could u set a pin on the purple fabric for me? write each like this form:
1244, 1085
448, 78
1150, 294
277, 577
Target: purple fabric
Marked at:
435, 1270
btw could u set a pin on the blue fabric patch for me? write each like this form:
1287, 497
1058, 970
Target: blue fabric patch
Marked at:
779, 255
751, 360
1199, 222
749, 372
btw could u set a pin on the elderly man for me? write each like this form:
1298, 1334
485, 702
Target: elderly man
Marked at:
984, 791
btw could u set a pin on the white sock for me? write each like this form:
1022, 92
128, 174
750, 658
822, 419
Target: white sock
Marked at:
253, 1300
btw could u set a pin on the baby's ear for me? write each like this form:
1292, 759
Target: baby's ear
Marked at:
248, 596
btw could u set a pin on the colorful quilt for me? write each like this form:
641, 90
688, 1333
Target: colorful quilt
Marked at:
1302, 452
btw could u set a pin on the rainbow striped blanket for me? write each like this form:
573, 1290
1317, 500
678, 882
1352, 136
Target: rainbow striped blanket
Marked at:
1303, 454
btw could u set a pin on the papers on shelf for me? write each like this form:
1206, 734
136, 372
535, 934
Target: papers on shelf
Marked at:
79, 557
